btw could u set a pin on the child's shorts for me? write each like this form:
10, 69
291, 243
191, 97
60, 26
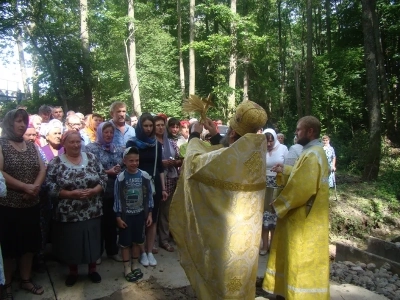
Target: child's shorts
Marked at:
135, 232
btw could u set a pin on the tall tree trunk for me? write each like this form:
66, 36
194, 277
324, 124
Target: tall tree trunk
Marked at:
373, 156
35, 77
282, 68
328, 26
297, 73
87, 73
22, 65
232, 61
246, 79
192, 71
309, 69
181, 67
390, 121
131, 57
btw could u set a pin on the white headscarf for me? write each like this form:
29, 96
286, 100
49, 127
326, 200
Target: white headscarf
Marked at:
271, 131
46, 127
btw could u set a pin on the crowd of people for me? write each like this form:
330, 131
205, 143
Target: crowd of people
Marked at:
91, 183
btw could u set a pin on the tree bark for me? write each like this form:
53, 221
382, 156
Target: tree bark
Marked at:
246, 79
192, 71
309, 69
181, 66
297, 73
328, 26
22, 65
232, 62
131, 57
373, 155
282, 71
86, 65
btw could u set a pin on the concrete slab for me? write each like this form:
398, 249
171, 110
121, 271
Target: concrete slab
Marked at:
348, 253
157, 283
383, 248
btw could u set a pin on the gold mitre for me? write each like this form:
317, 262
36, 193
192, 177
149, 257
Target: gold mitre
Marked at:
248, 118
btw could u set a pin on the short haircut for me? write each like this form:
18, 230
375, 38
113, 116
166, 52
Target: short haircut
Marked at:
325, 137
117, 104
68, 119
311, 122
173, 122
280, 134
57, 107
44, 110
158, 118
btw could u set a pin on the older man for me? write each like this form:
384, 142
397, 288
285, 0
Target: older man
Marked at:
73, 122
123, 132
298, 266
216, 211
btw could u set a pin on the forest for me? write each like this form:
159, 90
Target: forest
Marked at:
335, 59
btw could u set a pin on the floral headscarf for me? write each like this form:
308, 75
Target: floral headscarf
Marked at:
8, 124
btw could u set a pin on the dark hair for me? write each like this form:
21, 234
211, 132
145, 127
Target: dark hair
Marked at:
147, 117
269, 135
127, 118
173, 122
158, 118
45, 109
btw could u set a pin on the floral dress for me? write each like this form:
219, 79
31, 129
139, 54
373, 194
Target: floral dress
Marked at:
330, 155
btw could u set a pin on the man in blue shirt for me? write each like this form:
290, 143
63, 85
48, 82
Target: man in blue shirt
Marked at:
122, 132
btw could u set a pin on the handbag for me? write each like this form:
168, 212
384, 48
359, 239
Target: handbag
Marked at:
152, 184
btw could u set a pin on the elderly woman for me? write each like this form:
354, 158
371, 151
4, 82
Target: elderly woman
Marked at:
35, 121
150, 160
90, 131
24, 173
276, 153
30, 134
171, 162
76, 179
53, 134
331, 156
110, 156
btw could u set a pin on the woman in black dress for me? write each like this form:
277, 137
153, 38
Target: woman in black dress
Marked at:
152, 164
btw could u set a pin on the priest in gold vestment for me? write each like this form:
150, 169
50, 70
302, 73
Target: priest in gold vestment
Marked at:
298, 265
216, 211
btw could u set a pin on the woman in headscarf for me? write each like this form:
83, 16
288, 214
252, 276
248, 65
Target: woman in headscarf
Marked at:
76, 180
171, 163
110, 156
275, 155
24, 173
150, 160
52, 133
89, 133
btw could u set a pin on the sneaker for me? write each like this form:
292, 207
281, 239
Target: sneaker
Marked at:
116, 257
144, 260
98, 262
152, 260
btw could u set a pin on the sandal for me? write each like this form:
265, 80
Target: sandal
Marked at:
134, 276
34, 288
263, 252
167, 247
155, 250
4, 295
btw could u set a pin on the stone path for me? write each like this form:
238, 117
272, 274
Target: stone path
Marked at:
165, 281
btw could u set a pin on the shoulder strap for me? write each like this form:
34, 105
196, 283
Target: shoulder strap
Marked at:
155, 161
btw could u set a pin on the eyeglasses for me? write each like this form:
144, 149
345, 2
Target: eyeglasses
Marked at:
74, 124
